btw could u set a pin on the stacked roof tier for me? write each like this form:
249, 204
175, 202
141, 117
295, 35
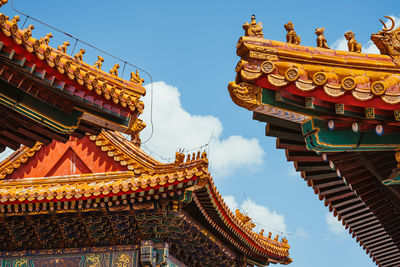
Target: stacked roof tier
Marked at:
104, 191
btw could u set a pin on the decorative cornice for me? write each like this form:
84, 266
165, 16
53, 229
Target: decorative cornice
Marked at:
364, 76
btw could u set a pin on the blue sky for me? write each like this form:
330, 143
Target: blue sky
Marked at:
190, 50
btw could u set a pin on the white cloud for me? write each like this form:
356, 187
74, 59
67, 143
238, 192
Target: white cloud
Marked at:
340, 44
176, 128
334, 225
301, 232
260, 215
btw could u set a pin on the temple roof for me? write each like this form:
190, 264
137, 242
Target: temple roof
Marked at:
140, 178
53, 95
353, 78
336, 114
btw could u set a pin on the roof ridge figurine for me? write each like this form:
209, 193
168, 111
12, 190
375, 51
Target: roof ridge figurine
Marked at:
291, 36
46, 39
79, 55
321, 40
99, 62
388, 41
352, 43
114, 70
135, 77
253, 28
63, 47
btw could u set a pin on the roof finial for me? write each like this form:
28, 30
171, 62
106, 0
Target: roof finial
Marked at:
253, 28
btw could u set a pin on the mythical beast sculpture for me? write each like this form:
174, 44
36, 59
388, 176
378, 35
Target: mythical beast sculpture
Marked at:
388, 41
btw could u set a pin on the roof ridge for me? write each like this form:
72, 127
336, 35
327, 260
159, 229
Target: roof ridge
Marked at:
112, 87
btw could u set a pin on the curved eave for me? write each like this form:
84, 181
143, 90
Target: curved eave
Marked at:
354, 79
261, 249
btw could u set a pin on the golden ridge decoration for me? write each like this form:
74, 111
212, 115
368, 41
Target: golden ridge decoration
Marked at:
352, 44
135, 77
388, 41
99, 62
321, 40
245, 95
63, 47
244, 219
79, 55
291, 36
114, 70
253, 28
45, 40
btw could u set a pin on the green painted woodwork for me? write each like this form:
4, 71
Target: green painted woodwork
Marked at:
278, 99
319, 138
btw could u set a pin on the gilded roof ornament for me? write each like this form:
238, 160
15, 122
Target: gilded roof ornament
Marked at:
253, 28
15, 19
114, 70
245, 219
29, 29
46, 39
3, 2
99, 62
63, 47
388, 41
135, 77
291, 36
321, 40
79, 55
352, 43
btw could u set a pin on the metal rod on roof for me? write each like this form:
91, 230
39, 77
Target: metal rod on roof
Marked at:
123, 69
73, 49
27, 17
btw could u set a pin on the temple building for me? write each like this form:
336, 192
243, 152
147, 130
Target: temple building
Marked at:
77, 192
101, 201
337, 116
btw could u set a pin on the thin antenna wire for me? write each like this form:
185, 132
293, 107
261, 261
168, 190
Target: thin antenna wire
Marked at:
104, 52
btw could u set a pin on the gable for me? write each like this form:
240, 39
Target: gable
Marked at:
76, 156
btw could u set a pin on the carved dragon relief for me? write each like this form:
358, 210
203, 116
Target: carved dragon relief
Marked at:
388, 41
